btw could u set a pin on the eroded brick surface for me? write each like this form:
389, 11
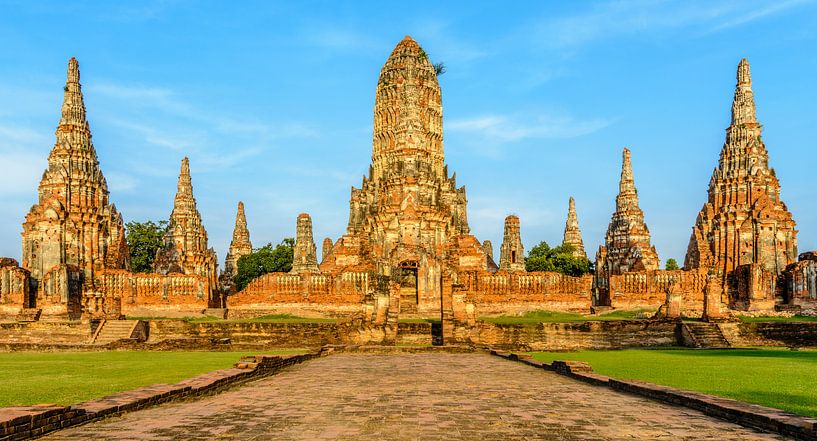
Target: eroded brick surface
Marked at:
415, 396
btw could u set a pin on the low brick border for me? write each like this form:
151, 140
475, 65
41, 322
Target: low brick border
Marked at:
26, 422
749, 415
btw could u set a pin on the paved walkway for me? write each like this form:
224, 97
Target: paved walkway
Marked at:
414, 396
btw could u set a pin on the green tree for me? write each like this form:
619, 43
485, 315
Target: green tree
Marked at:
267, 259
671, 264
144, 239
559, 259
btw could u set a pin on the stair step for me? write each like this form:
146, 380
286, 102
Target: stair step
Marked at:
114, 330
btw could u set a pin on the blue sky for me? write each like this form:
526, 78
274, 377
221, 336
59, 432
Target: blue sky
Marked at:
273, 104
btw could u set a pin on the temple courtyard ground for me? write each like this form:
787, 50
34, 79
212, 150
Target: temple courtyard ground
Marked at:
414, 396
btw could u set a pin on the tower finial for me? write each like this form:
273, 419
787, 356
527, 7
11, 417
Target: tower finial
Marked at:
743, 106
184, 174
73, 70
744, 75
73, 105
627, 183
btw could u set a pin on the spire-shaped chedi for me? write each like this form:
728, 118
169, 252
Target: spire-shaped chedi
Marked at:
408, 213
408, 115
305, 253
512, 252
185, 248
627, 243
573, 236
73, 223
240, 245
743, 221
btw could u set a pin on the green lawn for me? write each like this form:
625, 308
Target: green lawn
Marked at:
564, 317
276, 318
72, 377
771, 377
796, 318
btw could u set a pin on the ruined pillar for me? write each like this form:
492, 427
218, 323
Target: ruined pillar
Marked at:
512, 252
488, 249
305, 258
326, 249
712, 297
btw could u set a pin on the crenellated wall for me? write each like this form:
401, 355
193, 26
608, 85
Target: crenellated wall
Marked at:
151, 294
648, 289
506, 292
306, 294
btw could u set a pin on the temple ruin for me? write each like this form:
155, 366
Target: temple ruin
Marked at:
744, 227
573, 235
407, 251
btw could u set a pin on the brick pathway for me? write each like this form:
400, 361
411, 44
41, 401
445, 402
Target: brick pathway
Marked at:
414, 396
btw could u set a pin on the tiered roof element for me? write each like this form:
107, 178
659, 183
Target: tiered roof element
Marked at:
627, 243
73, 223
240, 245
573, 235
408, 213
185, 248
743, 221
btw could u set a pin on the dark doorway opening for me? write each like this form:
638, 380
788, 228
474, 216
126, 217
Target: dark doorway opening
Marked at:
407, 277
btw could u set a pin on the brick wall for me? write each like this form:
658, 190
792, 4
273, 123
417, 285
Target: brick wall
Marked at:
573, 336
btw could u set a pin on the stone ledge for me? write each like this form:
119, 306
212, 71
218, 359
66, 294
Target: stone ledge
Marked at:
749, 415
26, 422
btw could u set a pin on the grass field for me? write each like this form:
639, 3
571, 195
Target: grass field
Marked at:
276, 318
796, 318
563, 317
771, 377
72, 377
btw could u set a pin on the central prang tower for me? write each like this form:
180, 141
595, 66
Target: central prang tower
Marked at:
408, 219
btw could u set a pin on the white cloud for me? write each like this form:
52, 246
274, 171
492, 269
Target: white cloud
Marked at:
622, 18
511, 128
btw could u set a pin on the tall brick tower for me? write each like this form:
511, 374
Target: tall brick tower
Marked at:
573, 235
627, 243
240, 245
743, 221
185, 248
408, 219
73, 223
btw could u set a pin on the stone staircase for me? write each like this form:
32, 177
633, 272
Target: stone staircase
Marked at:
704, 335
114, 330
408, 300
